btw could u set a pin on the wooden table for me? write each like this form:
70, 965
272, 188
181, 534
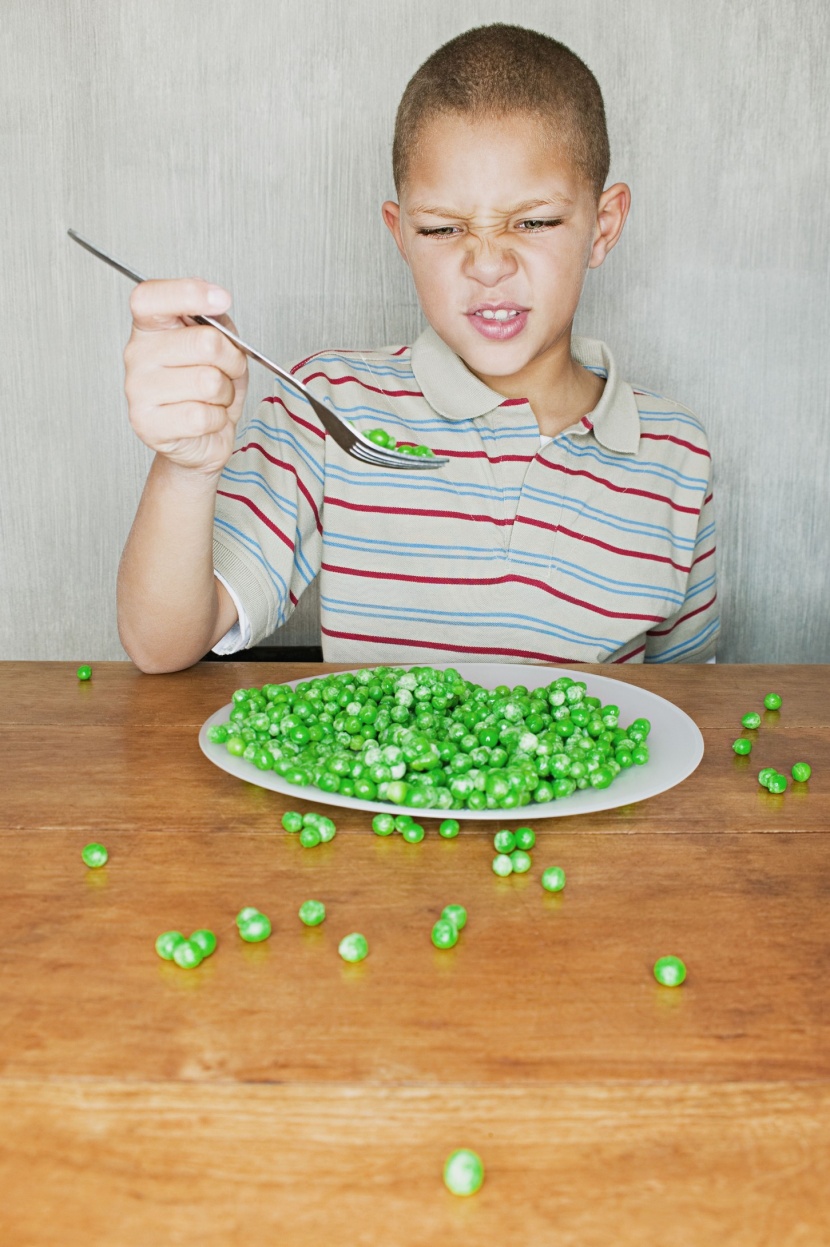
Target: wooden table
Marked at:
277, 1095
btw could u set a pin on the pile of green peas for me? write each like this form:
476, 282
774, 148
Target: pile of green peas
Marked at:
381, 438
449, 926
429, 739
512, 851
314, 828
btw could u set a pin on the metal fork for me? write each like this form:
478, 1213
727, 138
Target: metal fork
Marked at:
354, 443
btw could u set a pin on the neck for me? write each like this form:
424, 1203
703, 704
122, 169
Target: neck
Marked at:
560, 391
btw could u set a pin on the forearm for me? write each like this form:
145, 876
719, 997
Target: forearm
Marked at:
170, 611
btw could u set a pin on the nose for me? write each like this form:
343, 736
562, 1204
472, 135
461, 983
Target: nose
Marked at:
488, 260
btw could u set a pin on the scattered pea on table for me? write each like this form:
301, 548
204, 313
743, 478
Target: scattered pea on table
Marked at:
353, 947
444, 933
94, 855
449, 828
553, 879
463, 1172
456, 914
751, 720
84, 672
801, 772
292, 821
504, 842
525, 838
204, 940
254, 928
167, 943
413, 833
669, 971
312, 913
521, 861
772, 701
383, 824
742, 745
188, 955
777, 783
502, 865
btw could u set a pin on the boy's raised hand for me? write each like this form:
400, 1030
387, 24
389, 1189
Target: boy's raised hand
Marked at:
185, 384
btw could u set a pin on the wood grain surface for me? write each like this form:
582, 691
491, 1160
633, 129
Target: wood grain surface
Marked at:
278, 1091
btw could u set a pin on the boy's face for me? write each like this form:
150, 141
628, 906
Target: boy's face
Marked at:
490, 216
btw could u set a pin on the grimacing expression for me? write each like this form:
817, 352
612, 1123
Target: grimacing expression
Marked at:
492, 215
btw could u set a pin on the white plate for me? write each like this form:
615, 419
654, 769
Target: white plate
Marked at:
675, 748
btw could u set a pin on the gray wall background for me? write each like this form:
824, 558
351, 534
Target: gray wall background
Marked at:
248, 142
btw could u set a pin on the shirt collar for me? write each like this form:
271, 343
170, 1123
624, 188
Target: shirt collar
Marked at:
457, 394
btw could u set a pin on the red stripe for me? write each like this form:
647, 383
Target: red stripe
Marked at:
678, 441
707, 555
513, 402
259, 514
634, 652
345, 380
342, 350
455, 649
289, 467
328, 501
312, 428
491, 580
620, 489
683, 618
482, 454
595, 541
294, 598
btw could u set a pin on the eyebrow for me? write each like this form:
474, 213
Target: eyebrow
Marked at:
560, 201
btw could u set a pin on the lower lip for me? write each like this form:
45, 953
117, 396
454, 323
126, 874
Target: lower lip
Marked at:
499, 330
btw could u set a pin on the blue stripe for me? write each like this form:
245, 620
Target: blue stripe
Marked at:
282, 435
285, 507
637, 468
479, 619
277, 582
671, 417
403, 373
686, 647
608, 520
378, 479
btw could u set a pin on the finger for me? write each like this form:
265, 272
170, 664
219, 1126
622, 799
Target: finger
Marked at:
162, 303
200, 383
177, 422
177, 348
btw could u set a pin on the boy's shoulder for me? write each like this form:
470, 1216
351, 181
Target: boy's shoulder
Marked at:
339, 363
659, 412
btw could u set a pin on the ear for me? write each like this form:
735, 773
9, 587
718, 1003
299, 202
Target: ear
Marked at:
391, 213
612, 211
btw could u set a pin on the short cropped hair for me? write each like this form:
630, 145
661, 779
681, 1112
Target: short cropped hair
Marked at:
498, 71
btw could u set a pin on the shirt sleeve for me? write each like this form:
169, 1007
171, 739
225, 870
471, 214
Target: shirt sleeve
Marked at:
691, 634
267, 530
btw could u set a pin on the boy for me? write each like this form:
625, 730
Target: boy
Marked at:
573, 522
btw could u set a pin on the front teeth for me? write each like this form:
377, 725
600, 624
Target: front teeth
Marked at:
501, 314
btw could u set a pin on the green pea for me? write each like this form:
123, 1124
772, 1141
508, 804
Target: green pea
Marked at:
402, 821
188, 955
310, 837
246, 914
449, 828
777, 783
766, 775
525, 838
751, 720
521, 861
218, 734
463, 1172
502, 865
256, 929
553, 879
444, 934
312, 913
772, 701
292, 821
383, 824
669, 971
167, 943
456, 914
353, 947
504, 842
94, 855
413, 834
742, 745
205, 941
326, 828
380, 437
84, 672
801, 772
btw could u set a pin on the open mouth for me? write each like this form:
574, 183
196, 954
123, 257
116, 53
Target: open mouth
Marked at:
497, 324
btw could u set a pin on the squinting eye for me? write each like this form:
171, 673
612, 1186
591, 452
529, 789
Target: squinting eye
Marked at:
537, 225
440, 231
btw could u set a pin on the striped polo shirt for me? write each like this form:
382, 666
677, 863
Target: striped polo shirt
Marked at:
598, 546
